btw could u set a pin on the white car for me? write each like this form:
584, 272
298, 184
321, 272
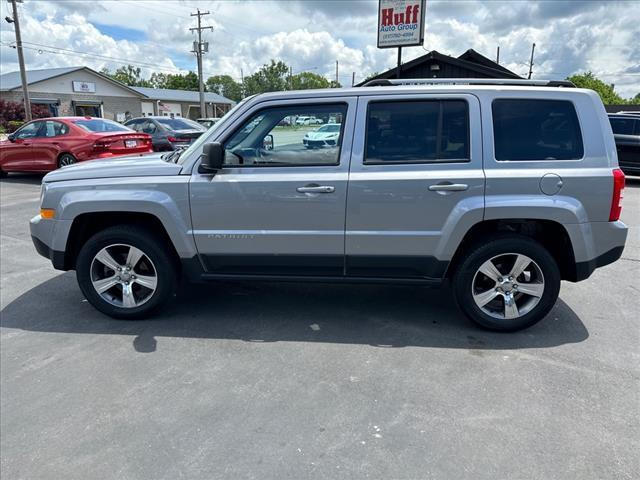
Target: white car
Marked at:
308, 121
325, 136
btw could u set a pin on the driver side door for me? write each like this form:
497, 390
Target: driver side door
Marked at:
18, 154
276, 207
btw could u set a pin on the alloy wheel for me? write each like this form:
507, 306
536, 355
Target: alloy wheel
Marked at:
123, 275
508, 286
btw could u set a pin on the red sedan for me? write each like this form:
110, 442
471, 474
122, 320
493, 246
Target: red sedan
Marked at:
49, 143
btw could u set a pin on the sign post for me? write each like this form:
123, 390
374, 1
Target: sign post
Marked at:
400, 24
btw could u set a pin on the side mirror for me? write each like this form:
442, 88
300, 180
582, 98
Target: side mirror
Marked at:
267, 142
211, 158
11, 137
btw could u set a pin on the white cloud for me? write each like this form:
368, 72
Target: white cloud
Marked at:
570, 36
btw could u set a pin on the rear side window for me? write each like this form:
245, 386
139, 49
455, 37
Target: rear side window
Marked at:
622, 126
419, 131
536, 130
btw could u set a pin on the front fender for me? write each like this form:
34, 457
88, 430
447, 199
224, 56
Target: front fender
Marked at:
174, 215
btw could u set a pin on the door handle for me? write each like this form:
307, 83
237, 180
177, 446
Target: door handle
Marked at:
448, 187
316, 189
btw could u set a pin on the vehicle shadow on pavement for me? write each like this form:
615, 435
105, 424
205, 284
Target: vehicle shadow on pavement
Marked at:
23, 178
377, 315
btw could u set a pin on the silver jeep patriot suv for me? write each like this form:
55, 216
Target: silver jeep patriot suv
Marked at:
501, 188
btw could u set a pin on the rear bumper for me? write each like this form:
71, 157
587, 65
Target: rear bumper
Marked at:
585, 269
595, 245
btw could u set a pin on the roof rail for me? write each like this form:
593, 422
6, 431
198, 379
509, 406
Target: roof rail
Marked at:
387, 82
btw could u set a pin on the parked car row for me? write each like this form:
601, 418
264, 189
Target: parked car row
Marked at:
45, 144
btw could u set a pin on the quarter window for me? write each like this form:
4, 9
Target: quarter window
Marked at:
417, 131
289, 136
536, 130
622, 126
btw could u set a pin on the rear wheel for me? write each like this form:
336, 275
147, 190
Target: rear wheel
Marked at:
507, 284
124, 272
66, 159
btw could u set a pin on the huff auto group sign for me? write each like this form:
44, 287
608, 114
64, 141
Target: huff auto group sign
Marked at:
400, 23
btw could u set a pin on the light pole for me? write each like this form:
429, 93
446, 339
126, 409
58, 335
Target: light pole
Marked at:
23, 73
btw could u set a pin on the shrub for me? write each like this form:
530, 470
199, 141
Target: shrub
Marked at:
13, 113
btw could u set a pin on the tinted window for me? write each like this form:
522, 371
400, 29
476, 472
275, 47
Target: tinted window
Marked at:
265, 140
417, 131
622, 126
536, 130
180, 124
101, 125
30, 130
54, 129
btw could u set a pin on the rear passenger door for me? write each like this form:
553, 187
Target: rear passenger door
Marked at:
416, 182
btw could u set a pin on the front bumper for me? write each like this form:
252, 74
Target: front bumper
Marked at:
42, 234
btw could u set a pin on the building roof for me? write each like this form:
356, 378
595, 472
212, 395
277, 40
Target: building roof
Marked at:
471, 63
11, 81
165, 94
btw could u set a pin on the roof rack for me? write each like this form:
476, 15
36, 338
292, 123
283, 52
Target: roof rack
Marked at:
387, 82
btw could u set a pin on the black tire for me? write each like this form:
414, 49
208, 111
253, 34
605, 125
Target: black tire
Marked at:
464, 274
66, 159
154, 249
3, 174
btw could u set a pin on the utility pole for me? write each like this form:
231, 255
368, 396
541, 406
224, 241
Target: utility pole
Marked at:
531, 61
337, 77
353, 79
200, 48
242, 82
498, 55
23, 73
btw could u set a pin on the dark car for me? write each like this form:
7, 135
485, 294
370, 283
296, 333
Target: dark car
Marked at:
626, 131
167, 133
45, 144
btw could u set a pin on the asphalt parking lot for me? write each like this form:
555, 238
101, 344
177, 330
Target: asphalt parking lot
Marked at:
275, 381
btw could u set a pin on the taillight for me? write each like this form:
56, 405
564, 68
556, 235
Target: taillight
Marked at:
175, 139
616, 198
101, 146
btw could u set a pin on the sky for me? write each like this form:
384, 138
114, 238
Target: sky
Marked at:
570, 36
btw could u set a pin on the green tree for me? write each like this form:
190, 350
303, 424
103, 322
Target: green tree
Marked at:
226, 86
129, 75
271, 77
635, 100
188, 81
309, 80
606, 91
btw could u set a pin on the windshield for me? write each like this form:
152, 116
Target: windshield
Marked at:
330, 128
197, 145
179, 124
101, 125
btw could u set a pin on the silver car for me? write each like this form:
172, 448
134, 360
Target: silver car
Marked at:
502, 188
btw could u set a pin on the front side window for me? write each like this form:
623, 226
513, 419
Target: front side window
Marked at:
536, 130
417, 131
30, 130
267, 139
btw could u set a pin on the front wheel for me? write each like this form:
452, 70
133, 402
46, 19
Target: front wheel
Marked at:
125, 272
507, 284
